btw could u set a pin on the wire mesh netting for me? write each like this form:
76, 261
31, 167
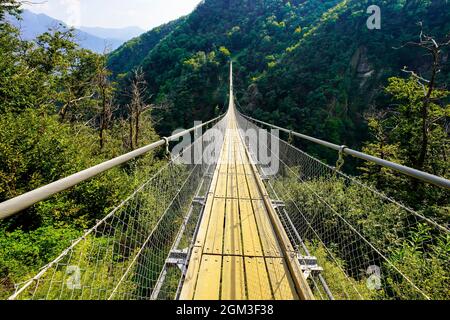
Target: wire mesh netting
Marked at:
353, 241
137, 251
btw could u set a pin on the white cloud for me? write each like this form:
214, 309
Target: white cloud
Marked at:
72, 11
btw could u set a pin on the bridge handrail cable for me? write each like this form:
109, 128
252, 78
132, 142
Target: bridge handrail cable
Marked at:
22, 202
423, 176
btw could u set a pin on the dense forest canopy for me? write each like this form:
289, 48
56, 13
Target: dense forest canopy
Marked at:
310, 66
279, 47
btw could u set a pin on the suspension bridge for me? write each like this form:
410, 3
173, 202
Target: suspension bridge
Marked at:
236, 227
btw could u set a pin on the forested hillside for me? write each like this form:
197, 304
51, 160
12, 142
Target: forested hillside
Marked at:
327, 81
310, 65
58, 116
188, 69
314, 67
132, 53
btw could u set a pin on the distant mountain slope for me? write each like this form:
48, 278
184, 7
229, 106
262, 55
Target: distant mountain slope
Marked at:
188, 69
123, 34
133, 52
32, 25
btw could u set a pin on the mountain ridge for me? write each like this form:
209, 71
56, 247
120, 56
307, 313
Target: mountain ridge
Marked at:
33, 24
279, 47
124, 34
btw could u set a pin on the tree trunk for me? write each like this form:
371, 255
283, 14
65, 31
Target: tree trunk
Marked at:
425, 111
136, 141
63, 111
102, 142
103, 119
131, 131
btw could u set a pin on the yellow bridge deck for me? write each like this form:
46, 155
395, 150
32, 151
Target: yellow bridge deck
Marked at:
237, 253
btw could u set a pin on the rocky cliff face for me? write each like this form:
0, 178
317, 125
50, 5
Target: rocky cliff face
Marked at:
364, 70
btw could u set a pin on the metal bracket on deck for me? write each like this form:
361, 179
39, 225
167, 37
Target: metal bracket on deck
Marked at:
253, 157
265, 176
267, 173
309, 265
209, 175
178, 258
199, 200
277, 204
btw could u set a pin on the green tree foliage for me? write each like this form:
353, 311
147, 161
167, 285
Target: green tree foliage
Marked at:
416, 249
22, 252
249, 30
326, 81
131, 54
398, 136
9, 7
312, 66
58, 115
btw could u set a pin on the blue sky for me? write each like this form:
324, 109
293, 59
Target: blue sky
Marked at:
114, 13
